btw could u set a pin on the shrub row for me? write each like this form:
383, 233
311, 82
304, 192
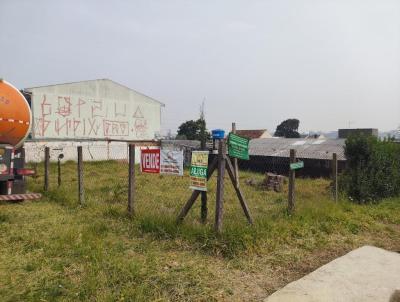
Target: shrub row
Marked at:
373, 169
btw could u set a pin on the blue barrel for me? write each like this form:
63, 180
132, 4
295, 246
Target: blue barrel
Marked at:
218, 134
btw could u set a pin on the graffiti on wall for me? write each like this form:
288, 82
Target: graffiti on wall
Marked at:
58, 116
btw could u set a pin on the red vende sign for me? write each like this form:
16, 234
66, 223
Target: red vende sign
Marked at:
150, 161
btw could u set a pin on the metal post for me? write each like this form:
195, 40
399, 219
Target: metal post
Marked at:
334, 176
292, 177
131, 179
46, 167
23, 156
80, 176
220, 186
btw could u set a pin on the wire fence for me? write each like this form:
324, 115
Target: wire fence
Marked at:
264, 182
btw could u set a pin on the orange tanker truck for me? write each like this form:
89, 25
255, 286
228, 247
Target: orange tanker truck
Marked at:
15, 125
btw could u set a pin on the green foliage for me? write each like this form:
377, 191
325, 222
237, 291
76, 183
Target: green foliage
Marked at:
288, 128
194, 130
373, 169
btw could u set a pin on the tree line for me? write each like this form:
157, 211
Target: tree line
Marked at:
197, 129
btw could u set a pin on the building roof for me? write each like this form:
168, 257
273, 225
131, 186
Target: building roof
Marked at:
251, 134
345, 133
305, 148
30, 89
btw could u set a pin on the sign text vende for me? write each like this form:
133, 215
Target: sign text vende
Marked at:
150, 161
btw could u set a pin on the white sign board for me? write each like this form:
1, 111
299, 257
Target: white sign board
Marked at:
171, 162
68, 114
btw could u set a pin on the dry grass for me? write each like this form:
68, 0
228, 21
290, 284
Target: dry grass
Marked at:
54, 249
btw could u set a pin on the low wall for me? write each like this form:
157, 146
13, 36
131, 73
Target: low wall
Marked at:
102, 150
92, 151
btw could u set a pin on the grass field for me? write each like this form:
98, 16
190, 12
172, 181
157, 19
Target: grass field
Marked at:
56, 250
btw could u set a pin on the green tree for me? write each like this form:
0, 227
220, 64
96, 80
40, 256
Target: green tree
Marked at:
194, 130
288, 128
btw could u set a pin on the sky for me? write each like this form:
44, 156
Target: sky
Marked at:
330, 63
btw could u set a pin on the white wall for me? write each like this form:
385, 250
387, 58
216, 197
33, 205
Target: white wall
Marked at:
100, 109
92, 151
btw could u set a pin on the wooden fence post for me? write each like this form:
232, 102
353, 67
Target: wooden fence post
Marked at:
196, 193
59, 171
131, 180
46, 167
220, 186
335, 176
203, 209
292, 177
80, 176
235, 160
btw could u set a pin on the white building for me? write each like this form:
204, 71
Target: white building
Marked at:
97, 111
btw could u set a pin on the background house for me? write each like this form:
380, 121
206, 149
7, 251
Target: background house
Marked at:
252, 134
345, 133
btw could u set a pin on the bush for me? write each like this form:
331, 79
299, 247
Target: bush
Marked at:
373, 169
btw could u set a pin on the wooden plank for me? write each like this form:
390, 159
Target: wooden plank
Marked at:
59, 172
46, 167
131, 179
24, 196
188, 206
219, 207
196, 193
81, 193
235, 160
212, 167
203, 209
334, 176
144, 143
239, 193
292, 178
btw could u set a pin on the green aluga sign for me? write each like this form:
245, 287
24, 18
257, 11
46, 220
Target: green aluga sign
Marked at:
198, 172
297, 165
238, 146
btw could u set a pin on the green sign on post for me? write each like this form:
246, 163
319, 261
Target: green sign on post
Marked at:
297, 165
238, 146
198, 171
